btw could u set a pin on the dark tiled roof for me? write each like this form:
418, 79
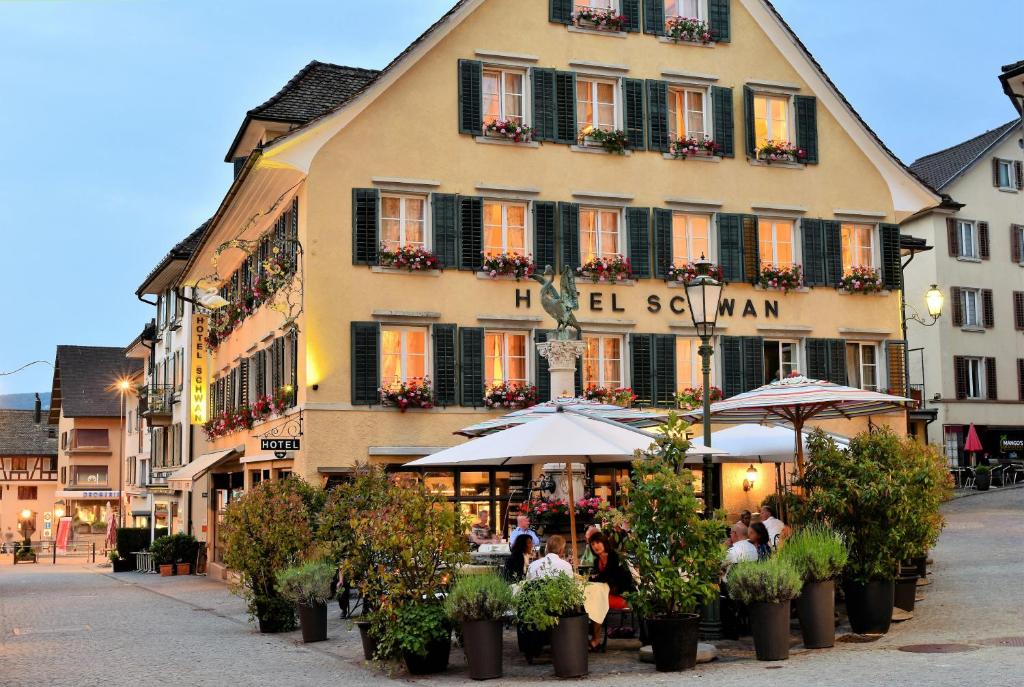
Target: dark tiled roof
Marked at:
317, 88
20, 435
942, 167
182, 250
83, 377
1013, 67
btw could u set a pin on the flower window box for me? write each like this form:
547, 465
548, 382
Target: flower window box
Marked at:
509, 130
599, 19
779, 151
606, 270
414, 393
511, 395
862, 279
613, 141
508, 265
682, 148
693, 397
688, 272
618, 396
785, 279
411, 258
688, 30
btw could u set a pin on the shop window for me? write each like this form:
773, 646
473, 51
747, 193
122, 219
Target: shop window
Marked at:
403, 354
862, 365
776, 238
611, 483
403, 221
503, 92
858, 246
780, 359
772, 119
505, 358
28, 493
602, 361
599, 234
690, 238
504, 228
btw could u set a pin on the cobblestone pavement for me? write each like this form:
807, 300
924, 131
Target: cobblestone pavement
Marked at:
82, 626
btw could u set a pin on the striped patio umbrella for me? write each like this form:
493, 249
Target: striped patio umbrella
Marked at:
798, 399
636, 418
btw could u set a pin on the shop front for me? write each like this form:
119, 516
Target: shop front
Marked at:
89, 510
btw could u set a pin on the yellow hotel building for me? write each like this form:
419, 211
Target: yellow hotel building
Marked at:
406, 157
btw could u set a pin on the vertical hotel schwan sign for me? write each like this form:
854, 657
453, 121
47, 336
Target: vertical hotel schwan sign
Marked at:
200, 369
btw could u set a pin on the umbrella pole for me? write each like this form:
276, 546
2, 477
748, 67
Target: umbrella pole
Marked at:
572, 514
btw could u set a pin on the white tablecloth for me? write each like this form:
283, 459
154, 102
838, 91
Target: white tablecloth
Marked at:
595, 601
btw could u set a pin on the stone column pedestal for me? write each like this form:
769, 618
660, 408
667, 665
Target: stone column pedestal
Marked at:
561, 357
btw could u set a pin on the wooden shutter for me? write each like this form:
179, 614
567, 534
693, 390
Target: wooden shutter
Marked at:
631, 11
638, 221
730, 246
633, 112
751, 249
664, 369
960, 376
817, 358
896, 366
748, 121
565, 107
243, 382
984, 249
837, 361
654, 17
753, 362
806, 107
471, 118
445, 373
445, 219
812, 234
365, 363
544, 223
721, 110
1020, 379
293, 343
277, 367
833, 234
732, 365
956, 295
952, 237
543, 378
560, 12
995, 172
662, 242
471, 231
1018, 310
569, 233
1018, 168
365, 225
991, 380
544, 109
1015, 243
988, 315
471, 356
657, 115
641, 367
718, 19
892, 267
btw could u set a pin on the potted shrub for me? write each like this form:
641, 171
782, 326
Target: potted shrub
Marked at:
819, 554
185, 549
162, 549
676, 552
767, 587
479, 604
121, 564
554, 605
308, 586
931, 486
982, 477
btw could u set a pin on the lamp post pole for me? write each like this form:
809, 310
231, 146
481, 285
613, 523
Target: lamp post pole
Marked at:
706, 351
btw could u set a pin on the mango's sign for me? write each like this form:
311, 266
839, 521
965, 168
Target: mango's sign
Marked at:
597, 301
200, 369
1011, 445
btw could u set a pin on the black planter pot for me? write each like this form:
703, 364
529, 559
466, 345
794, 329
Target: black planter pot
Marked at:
921, 562
482, 640
816, 607
769, 624
368, 640
906, 590
123, 564
869, 606
674, 641
435, 660
275, 614
532, 642
570, 646
982, 481
313, 620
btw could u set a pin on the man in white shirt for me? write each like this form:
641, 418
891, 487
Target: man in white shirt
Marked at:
741, 549
774, 526
552, 563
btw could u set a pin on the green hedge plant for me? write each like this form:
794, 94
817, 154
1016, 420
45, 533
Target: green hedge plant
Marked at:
817, 552
769, 581
307, 584
478, 597
540, 602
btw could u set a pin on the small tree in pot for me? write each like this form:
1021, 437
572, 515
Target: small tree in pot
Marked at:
308, 586
554, 604
819, 554
767, 587
479, 604
982, 477
930, 486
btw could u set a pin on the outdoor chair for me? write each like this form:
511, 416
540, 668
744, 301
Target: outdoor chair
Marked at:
616, 626
968, 482
998, 473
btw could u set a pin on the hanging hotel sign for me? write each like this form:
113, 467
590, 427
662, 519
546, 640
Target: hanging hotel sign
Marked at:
280, 447
729, 307
200, 369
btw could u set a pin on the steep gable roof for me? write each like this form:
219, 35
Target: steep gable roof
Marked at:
83, 377
20, 435
941, 168
182, 251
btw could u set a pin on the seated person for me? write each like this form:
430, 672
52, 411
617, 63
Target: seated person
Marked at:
515, 565
587, 559
480, 531
523, 527
741, 549
759, 537
552, 563
613, 571
777, 530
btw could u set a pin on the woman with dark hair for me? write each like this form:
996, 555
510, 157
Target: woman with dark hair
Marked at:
758, 535
515, 565
613, 571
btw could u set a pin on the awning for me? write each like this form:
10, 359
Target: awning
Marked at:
185, 478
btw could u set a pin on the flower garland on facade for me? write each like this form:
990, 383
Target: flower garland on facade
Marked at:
682, 148
508, 265
780, 151
606, 269
277, 274
414, 393
688, 272
411, 258
618, 396
509, 129
862, 279
511, 395
688, 29
693, 397
612, 140
595, 17
246, 416
777, 277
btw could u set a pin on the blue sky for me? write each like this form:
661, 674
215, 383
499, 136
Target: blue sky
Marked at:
116, 116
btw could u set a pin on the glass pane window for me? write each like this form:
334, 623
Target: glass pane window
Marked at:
688, 364
968, 240
690, 238
683, 8
602, 361
1004, 174
975, 377
403, 352
599, 234
771, 119
780, 359
504, 358
858, 246
504, 227
971, 307
862, 366
686, 114
402, 221
503, 95
595, 104
776, 242
598, 4
89, 475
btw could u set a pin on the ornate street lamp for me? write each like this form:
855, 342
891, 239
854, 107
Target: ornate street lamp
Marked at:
703, 295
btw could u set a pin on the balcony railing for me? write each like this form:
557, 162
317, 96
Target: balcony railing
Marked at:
156, 402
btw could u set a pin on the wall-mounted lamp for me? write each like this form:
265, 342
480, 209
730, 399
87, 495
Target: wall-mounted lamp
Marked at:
316, 387
748, 483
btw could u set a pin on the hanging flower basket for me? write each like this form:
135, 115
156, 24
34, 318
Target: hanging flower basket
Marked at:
688, 272
415, 393
784, 278
693, 397
246, 416
618, 396
606, 270
779, 151
508, 265
862, 279
597, 18
682, 148
511, 395
510, 130
411, 258
613, 141
688, 29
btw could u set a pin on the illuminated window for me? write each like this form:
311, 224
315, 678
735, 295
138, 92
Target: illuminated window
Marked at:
403, 352
504, 227
776, 242
503, 95
598, 4
688, 364
684, 8
596, 103
780, 359
687, 114
858, 246
690, 238
599, 234
862, 366
771, 119
602, 361
403, 219
504, 358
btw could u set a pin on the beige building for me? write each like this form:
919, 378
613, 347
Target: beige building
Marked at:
28, 475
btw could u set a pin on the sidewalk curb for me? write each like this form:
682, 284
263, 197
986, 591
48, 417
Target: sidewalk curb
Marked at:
992, 490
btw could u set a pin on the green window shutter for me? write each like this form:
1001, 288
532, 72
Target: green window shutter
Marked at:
721, 109
631, 11
365, 225
718, 18
892, 266
753, 362
732, 365
812, 235
565, 107
657, 115
471, 118
826, 359
638, 220
833, 233
560, 11
730, 246
662, 242
664, 369
633, 111
545, 219
751, 249
445, 216
837, 361
641, 367
544, 110
471, 231
365, 363
748, 121
654, 17
471, 355
294, 342
569, 226
543, 378
446, 384
807, 126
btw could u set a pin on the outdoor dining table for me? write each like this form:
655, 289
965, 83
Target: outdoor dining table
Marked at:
595, 601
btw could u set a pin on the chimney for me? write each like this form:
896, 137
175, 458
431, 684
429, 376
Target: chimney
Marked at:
38, 410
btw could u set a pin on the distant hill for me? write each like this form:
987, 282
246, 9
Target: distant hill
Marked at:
23, 401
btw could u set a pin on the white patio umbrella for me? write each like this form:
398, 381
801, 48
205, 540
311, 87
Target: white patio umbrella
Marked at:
748, 442
635, 417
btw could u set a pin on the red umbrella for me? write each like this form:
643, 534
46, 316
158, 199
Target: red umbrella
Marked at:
973, 444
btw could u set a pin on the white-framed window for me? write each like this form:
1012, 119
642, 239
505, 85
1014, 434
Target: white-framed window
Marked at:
781, 358
858, 245
403, 221
403, 354
952, 439
504, 93
1004, 174
688, 364
505, 358
600, 234
688, 113
602, 361
776, 238
772, 119
691, 237
971, 303
862, 365
598, 4
975, 377
967, 233
1019, 229
504, 227
597, 103
691, 9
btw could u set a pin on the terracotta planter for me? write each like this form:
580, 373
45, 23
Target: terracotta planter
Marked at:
166, 570
816, 607
769, 623
183, 569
